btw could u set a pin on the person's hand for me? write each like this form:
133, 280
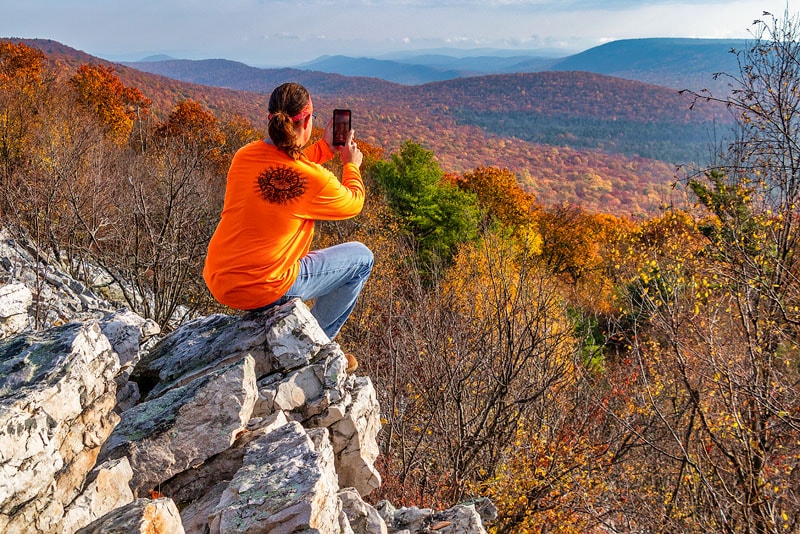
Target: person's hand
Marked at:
327, 134
350, 152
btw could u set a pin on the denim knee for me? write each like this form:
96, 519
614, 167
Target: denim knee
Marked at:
367, 258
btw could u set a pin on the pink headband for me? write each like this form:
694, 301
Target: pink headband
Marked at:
308, 110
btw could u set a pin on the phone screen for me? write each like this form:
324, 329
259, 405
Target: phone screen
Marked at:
341, 126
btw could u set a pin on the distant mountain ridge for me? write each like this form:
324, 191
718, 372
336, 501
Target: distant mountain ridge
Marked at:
423, 69
238, 76
677, 63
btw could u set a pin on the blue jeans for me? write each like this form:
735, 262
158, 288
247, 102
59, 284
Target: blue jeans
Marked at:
334, 277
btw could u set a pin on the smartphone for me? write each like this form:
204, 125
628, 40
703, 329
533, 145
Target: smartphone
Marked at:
341, 126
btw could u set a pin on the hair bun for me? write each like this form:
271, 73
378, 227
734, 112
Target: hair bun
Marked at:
280, 115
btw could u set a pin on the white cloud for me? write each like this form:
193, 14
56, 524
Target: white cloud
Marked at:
286, 31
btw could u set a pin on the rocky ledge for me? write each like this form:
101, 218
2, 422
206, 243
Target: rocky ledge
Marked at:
227, 424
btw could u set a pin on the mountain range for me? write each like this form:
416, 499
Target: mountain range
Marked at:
570, 133
678, 63
420, 69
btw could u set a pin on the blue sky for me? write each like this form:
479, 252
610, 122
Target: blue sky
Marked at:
287, 32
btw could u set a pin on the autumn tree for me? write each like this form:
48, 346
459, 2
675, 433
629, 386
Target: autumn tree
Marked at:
116, 106
500, 196
168, 206
717, 325
24, 83
572, 242
61, 163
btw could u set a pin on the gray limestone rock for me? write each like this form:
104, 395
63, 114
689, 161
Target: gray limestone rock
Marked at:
127, 331
15, 299
187, 487
158, 516
287, 483
57, 395
185, 426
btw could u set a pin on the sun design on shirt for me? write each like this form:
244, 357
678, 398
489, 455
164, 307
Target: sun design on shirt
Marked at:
280, 184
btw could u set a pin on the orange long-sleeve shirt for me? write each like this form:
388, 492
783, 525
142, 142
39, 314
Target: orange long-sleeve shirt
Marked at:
267, 222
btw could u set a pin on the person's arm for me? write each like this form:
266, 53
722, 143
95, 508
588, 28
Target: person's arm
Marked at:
319, 152
338, 200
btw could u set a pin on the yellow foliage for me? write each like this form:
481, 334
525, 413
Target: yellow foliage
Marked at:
546, 484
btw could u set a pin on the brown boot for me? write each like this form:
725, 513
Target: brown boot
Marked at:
352, 363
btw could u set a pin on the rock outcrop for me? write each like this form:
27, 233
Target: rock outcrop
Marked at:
57, 398
227, 424
50, 296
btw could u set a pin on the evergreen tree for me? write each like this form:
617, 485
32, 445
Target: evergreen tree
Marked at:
436, 214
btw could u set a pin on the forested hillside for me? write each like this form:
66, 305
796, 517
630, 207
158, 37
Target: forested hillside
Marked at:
676, 63
588, 371
607, 144
580, 110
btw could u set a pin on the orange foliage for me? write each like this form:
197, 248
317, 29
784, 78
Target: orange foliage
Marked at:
582, 250
500, 194
189, 118
191, 127
21, 88
114, 104
19, 65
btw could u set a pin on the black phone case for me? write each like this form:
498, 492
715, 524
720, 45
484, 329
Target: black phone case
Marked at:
339, 131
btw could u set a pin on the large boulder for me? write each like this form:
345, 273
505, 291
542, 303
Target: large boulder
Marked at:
301, 380
57, 396
184, 427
